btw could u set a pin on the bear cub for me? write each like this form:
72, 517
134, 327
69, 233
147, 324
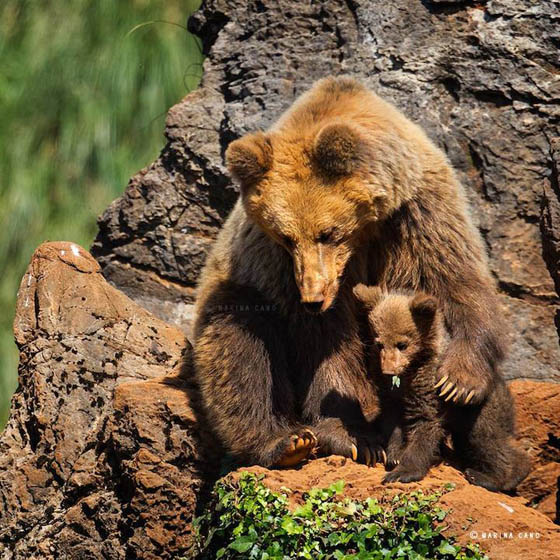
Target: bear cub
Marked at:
408, 341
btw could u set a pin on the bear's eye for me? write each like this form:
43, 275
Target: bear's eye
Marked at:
328, 236
378, 343
287, 240
402, 346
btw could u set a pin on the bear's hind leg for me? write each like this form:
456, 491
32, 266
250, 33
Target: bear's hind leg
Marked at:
488, 480
482, 439
484, 458
501, 470
520, 466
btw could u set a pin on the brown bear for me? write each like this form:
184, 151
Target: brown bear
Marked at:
408, 340
342, 189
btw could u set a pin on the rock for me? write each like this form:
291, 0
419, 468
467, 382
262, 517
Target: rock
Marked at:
502, 525
107, 456
102, 456
538, 427
481, 77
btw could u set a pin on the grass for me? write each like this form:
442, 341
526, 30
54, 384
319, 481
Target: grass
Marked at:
245, 520
84, 89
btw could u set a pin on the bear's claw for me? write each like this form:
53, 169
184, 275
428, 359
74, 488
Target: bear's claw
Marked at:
372, 454
453, 393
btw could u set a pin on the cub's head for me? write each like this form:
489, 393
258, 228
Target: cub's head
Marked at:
315, 190
404, 328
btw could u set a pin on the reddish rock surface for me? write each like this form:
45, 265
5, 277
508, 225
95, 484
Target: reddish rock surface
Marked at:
538, 427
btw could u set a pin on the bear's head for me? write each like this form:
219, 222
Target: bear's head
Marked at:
317, 183
404, 328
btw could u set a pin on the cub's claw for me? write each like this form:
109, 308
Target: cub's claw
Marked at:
298, 448
354, 450
466, 373
456, 394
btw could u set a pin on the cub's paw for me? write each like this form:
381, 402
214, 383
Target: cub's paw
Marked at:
403, 474
297, 448
462, 380
392, 462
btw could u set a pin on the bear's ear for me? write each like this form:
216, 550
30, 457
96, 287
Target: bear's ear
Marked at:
423, 309
369, 296
339, 148
249, 158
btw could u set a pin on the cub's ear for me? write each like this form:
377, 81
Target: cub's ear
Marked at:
423, 309
249, 158
369, 296
339, 148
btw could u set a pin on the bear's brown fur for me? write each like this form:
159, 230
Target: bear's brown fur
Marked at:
342, 189
408, 340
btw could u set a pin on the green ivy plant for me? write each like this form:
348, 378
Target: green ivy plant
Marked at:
246, 520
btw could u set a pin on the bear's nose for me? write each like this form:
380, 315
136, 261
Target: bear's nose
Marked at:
313, 306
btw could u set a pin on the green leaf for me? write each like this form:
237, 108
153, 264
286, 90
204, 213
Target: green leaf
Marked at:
447, 548
242, 544
291, 527
338, 486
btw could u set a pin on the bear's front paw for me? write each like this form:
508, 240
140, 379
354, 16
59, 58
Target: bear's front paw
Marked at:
404, 474
360, 449
298, 447
371, 453
462, 380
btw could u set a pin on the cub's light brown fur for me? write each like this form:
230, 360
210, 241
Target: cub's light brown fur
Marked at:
343, 189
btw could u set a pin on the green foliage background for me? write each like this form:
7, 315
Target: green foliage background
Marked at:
84, 89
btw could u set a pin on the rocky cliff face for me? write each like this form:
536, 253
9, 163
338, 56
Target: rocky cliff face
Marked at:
481, 77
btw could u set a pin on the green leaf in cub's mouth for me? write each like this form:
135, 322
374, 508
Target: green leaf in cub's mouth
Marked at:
396, 381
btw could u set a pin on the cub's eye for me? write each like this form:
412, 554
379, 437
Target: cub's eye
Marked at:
328, 236
378, 343
402, 346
